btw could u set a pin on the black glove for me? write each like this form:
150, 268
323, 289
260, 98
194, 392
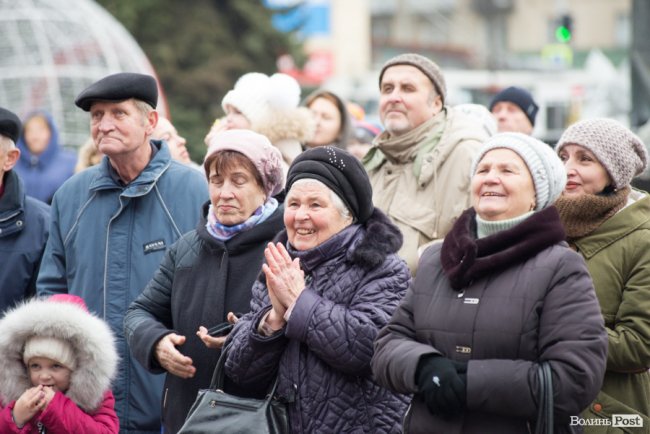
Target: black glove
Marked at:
442, 384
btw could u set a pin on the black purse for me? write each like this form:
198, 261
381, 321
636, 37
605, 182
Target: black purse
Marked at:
215, 411
544, 423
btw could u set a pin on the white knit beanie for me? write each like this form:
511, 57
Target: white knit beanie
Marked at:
257, 95
53, 348
545, 167
618, 149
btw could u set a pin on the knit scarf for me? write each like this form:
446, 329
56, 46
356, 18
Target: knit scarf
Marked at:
406, 147
583, 214
465, 258
223, 232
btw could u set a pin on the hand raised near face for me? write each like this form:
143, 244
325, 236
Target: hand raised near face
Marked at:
285, 279
30, 402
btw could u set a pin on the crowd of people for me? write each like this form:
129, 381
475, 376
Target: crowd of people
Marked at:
411, 277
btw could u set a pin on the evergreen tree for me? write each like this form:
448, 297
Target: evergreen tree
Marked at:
199, 48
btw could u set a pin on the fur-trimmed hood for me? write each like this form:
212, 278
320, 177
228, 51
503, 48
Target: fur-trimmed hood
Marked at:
297, 124
90, 337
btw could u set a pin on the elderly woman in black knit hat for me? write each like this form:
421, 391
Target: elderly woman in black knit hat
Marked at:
331, 280
608, 223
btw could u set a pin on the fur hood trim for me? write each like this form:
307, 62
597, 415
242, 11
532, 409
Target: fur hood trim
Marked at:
90, 337
297, 124
381, 238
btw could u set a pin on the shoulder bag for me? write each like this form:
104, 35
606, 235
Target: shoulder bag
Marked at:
215, 411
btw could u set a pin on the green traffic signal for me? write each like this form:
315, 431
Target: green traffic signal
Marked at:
564, 28
562, 34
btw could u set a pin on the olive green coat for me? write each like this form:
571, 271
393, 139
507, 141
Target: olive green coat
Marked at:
618, 257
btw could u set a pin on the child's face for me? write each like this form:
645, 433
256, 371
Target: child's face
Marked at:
48, 372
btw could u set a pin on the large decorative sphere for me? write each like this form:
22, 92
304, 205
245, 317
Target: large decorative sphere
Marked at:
50, 50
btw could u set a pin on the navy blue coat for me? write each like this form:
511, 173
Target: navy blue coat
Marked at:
24, 227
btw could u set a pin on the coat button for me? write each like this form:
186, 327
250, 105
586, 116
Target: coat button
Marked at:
598, 407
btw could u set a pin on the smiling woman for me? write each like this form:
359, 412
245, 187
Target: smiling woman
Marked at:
330, 282
500, 295
502, 187
313, 214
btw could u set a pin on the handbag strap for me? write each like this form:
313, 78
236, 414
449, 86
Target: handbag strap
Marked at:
545, 421
218, 375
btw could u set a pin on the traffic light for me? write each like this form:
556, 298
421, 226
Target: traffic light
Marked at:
564, 29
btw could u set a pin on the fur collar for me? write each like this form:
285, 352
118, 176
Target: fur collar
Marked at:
465, 258
381, 238
90, 337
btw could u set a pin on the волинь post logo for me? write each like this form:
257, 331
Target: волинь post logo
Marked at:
617, 421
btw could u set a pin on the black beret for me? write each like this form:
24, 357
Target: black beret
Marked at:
341, 172
120, 87
9, 124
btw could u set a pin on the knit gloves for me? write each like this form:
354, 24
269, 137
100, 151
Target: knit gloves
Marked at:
442, 384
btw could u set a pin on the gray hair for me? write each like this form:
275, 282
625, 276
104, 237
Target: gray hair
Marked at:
336, 200
6, 143
143, 108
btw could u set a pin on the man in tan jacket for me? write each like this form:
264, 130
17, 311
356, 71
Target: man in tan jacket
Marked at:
419, 166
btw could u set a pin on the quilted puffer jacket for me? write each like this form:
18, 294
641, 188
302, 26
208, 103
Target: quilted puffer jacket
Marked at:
322, 356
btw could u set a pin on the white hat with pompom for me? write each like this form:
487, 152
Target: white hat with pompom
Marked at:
257, 95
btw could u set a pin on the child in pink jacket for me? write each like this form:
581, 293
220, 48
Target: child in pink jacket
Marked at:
56, 364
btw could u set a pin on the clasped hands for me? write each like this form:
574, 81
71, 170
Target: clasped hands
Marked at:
442, 384
285, 281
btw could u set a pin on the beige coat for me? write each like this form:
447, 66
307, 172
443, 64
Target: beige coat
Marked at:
421, 180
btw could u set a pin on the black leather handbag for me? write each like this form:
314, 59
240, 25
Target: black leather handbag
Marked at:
215, 411
545, 404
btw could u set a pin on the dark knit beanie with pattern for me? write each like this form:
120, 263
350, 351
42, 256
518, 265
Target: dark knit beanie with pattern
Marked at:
428, 68
618, 149
339, 171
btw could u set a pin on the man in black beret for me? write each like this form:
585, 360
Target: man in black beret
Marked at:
24, 222
113, 223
